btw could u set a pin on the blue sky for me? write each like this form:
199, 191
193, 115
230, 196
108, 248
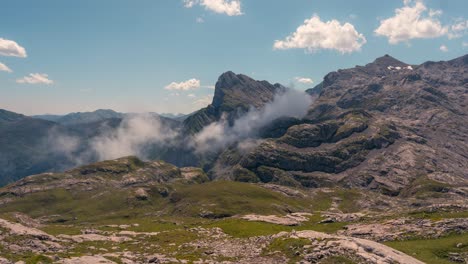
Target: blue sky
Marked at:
165, 55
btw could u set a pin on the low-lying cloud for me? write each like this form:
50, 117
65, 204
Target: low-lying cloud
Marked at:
133, 135
143, 135
219, 135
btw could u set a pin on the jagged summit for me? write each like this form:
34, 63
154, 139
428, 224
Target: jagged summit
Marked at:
234, 95
384, 64
234, 91
388, 60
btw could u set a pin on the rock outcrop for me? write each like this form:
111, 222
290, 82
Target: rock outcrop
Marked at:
387, 126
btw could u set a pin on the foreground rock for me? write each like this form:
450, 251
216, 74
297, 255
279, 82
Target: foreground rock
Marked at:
211, 243
293, 219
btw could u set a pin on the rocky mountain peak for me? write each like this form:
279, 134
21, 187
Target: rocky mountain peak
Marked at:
388, 60
237, 90
234, 94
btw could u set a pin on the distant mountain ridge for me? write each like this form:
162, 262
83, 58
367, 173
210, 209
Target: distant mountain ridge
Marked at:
82, 117
366, 129
31, 145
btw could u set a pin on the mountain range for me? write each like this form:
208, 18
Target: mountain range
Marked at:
374, 126
369, 166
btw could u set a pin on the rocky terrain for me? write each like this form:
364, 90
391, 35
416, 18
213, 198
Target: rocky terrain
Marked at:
375, 172
388, 126
132, 211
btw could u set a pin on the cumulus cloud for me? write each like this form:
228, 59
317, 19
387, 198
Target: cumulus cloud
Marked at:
4, 68
219, 135
458, 29
315, 34
444, 48
465, 44
412, 21
135, 133
11, 48
200, 20
304, 80
184, 86
228, 7
35, 78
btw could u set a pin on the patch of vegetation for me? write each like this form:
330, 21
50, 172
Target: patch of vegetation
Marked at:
38, 259
348, 200
244, 175
433, 251
337, 259
291, 247
277, 176
423, 187
438, 215
227, 198
243, 228
111, 167
26, 257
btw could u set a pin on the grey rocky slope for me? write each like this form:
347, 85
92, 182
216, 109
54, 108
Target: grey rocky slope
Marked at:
388, 126
234, 95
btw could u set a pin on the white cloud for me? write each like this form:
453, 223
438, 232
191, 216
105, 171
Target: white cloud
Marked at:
458, 30
304, 80
200, 20
189, 3
134, 133
11, 48
411, 22
465, 44
218, 135
35, 78
192, 95
4, 68
184, 86
315, 34
228, 7
444, 48
203, 101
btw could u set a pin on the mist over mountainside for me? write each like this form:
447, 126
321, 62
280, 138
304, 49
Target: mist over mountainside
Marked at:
372, 160
361, 115
387, 126
80, 138
34, 145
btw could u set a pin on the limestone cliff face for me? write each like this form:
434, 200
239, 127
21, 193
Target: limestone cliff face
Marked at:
387, 126
234, 95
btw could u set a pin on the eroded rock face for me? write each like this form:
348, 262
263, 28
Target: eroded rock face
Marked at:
127, 172
381, 126
234, 95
